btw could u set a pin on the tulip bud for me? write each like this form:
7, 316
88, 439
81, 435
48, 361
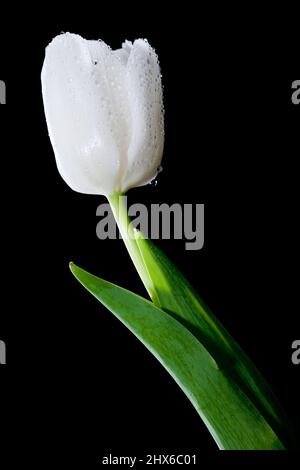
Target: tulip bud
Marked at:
104, 112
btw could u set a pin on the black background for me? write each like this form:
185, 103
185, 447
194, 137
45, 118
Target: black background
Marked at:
77, 385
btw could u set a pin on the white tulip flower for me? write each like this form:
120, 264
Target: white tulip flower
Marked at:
104, 111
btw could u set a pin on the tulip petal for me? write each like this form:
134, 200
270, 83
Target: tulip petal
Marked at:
85, 103
124, 52
144, 87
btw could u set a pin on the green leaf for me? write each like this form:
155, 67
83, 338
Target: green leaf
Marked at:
175, 295
170, 291
227, 411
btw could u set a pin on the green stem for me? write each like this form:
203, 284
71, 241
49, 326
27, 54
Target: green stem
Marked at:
119, 209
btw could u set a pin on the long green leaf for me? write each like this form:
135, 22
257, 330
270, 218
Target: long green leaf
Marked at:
185, 305
170, 291
228, 413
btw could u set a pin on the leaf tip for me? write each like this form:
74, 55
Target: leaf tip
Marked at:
72, 267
